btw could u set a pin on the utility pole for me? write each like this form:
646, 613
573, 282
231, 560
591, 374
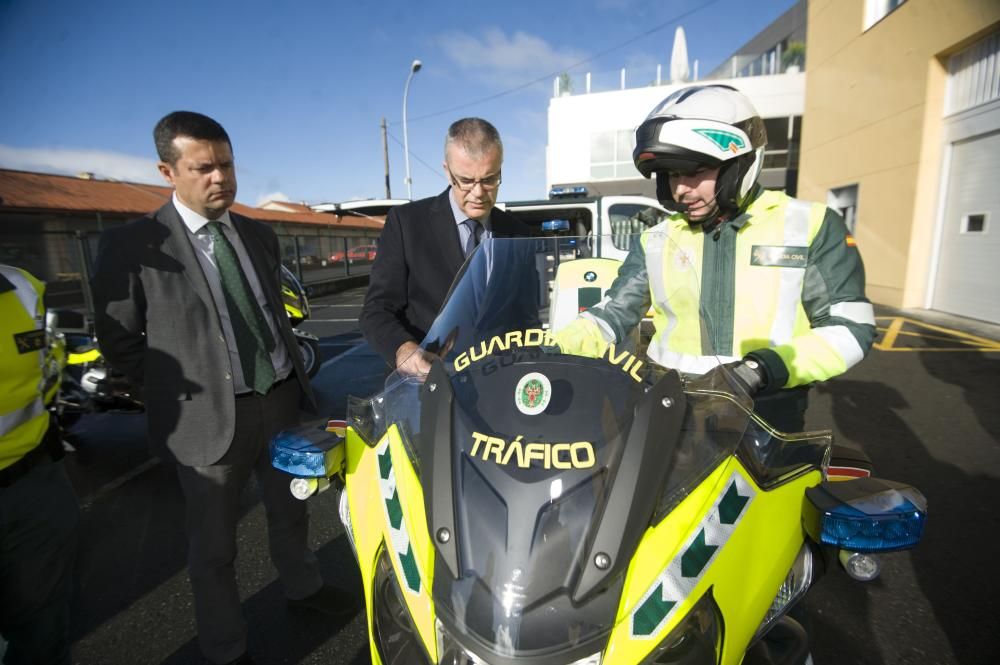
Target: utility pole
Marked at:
385, 156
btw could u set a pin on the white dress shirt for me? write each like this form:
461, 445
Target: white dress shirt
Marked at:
201, 240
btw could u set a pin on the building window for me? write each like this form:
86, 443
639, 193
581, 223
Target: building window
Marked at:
611, 154
778, 139
845, 201
876, 10
974, 222
974, 75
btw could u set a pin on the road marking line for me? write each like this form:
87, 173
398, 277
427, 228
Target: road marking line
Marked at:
962, 341
890, 334
329, 362
111, 486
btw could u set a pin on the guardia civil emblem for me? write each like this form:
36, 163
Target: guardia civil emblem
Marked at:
683, 259
533, 393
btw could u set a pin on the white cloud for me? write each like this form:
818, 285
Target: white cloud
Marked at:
102, 163
506, 60
273, 196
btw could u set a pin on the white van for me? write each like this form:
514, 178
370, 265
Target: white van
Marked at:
607, 221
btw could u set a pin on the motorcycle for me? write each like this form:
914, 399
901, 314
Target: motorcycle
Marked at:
519, 504
294, 296
91, 385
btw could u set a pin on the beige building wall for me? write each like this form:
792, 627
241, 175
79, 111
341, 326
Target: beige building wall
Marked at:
873, 117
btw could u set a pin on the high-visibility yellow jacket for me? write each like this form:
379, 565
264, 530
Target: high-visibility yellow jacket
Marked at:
782, 283
30, 375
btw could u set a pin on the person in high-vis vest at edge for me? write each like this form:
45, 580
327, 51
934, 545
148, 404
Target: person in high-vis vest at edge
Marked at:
782, 283
39, 513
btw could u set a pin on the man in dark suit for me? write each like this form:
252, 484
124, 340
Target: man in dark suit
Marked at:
424, 244
188, 306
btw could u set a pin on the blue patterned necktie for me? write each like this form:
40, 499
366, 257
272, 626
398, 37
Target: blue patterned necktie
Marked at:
475, 233
254, 340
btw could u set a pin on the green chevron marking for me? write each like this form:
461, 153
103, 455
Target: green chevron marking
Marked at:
731, 505
410, 571
725, 140
696, 556
395, 510
652, 611
385, 464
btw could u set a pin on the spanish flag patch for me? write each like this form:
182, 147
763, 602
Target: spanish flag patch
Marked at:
851, 242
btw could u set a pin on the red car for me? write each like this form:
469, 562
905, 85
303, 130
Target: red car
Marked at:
355, 254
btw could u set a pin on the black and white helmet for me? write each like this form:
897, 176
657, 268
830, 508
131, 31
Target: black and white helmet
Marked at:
713, 126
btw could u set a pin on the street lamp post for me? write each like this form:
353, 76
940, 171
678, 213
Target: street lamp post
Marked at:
414, 68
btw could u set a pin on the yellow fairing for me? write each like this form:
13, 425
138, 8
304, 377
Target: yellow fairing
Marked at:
85, 357
750, 547
368, 495
744, 571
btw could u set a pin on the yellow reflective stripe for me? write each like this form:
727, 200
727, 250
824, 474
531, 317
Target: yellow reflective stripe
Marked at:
858, 312
14, 419
654, 269
685, 362
790, 279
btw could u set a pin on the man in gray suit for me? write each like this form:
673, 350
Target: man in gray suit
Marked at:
188, 306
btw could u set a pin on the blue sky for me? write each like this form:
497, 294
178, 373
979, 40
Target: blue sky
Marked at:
301, 86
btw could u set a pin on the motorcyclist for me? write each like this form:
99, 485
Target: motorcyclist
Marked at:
782, 282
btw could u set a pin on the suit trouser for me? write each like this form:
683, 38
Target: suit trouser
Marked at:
39, 520
212, 496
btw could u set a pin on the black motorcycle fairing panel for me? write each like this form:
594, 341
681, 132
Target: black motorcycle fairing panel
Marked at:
521, 529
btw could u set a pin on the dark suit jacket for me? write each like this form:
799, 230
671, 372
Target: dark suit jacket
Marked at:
157, 322
418, 257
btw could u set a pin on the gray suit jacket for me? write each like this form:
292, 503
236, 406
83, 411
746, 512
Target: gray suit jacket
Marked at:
156, 321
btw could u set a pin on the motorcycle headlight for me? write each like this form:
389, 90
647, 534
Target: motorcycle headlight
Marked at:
697, 639
799, 578
452, 653
395, 635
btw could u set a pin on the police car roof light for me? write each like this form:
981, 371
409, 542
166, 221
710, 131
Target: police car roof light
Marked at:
564, 192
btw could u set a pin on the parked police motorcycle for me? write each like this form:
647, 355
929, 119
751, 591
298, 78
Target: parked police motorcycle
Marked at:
293, 294
91, 385
522, 505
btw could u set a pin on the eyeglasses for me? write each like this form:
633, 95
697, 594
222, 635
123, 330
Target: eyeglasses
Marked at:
489, 183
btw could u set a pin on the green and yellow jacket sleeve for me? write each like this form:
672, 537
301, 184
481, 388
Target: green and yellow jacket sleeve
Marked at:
611, 320
841, 320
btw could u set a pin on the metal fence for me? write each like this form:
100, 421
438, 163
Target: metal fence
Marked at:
64, 260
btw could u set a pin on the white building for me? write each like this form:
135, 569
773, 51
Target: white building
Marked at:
592, 135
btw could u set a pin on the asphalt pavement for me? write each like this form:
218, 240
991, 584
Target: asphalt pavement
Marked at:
923, 406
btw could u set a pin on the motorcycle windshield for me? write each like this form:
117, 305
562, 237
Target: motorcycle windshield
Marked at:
526, 440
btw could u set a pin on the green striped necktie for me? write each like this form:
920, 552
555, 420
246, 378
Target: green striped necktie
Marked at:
254, 340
